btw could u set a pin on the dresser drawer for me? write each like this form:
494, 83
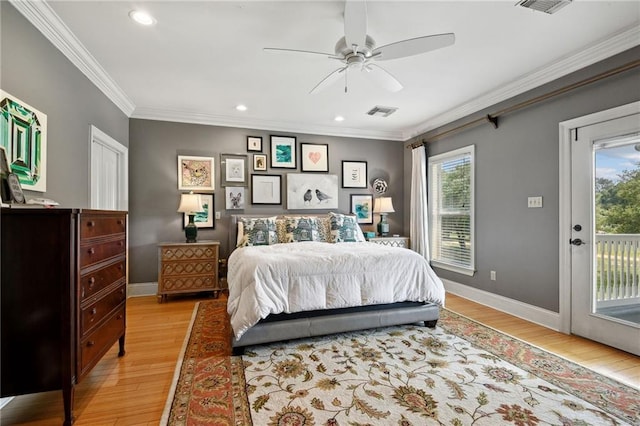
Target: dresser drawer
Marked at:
100, 340
94, 253
96, 226
93, 314
199, 267
188, 284
95, 281
186, 252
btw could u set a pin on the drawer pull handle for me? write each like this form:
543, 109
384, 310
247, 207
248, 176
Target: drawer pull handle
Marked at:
91, 250
94, 311
121, 243
120, 221
120, 317
91, 343
122, 291
120, 266
92, 281
91, 223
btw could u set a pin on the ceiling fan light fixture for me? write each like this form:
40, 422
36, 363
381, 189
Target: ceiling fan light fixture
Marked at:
241, 107
142, 17
338, 118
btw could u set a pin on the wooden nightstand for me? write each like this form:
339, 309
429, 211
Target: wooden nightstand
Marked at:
187, 268
402, 242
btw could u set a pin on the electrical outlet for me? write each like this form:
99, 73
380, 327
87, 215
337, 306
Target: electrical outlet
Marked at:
493, 275
534, 202
218, 215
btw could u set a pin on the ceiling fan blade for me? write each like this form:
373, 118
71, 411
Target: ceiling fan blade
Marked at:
355, 23
382, 78
328, 80
308, 52
413, 46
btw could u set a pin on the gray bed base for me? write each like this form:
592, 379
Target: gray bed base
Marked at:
336, 322
320, 323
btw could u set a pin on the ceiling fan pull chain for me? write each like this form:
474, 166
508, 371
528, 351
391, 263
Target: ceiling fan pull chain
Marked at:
346, 73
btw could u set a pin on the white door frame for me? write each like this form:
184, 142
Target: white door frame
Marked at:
100, 137
566, 132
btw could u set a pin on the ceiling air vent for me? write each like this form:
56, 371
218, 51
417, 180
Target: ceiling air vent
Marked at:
546, 6
381, 111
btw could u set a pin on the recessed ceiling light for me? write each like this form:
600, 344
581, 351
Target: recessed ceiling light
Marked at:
142, 17
339, 118
241, 107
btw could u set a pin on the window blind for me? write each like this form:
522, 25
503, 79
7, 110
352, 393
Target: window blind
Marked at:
451, 210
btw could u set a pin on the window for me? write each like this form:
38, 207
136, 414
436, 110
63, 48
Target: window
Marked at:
451, 207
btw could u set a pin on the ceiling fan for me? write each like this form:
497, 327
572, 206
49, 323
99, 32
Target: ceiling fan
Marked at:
357, 50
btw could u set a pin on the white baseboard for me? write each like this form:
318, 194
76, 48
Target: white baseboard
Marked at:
142, 289
540, 316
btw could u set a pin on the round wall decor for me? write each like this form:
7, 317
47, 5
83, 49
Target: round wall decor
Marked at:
380, 186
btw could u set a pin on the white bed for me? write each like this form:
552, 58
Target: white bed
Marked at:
291, 290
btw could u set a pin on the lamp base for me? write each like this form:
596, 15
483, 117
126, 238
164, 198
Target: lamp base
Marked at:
383, 225
191, 230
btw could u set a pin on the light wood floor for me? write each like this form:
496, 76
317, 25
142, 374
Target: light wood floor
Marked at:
132, 390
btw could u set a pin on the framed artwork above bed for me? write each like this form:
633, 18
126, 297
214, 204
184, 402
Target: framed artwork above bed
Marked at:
312, 191
266, 189
362, 207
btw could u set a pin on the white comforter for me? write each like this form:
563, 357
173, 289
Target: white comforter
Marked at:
305, 276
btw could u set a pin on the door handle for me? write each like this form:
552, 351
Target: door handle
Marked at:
577, 242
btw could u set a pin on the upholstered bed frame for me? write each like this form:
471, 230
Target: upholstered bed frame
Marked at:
322, 322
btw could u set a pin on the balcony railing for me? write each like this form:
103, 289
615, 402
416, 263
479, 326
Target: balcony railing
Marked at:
617, 268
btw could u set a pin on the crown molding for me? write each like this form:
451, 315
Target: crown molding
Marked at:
41, 16
181, 116
618, 43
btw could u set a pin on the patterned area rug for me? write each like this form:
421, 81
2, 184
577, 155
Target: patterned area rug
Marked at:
461, 373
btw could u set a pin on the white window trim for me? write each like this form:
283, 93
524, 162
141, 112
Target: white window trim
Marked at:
469, 271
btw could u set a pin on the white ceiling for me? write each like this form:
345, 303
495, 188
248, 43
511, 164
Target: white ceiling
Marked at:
202, 58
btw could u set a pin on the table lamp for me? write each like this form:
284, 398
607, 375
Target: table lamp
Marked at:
190, 204
383, 205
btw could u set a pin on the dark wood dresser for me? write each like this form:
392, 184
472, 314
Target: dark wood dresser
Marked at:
63, 296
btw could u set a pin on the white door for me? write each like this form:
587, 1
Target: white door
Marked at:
109, 172
605, 263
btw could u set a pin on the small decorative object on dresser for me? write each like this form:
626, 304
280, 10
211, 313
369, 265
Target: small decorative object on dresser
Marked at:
190, 204
394, 241
187, 268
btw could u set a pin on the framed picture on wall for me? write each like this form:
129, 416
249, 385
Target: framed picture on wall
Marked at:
196, 173
314, 157
235, 198
234, 170
283, 152
354, 174
259, 162
309, 191
203, 219
266, 189
254, 143
362, 207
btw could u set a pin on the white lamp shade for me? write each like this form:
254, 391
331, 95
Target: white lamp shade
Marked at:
383, 205
190, 203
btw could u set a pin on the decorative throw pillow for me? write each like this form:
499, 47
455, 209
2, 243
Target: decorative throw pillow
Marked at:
324, 229
258, 231
299, 229
344, 228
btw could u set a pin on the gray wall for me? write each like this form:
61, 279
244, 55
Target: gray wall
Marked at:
37, 73
153, 181
517, 160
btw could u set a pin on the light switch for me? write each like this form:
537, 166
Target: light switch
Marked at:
534, 202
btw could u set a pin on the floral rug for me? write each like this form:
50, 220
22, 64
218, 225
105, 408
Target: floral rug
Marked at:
460, 373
